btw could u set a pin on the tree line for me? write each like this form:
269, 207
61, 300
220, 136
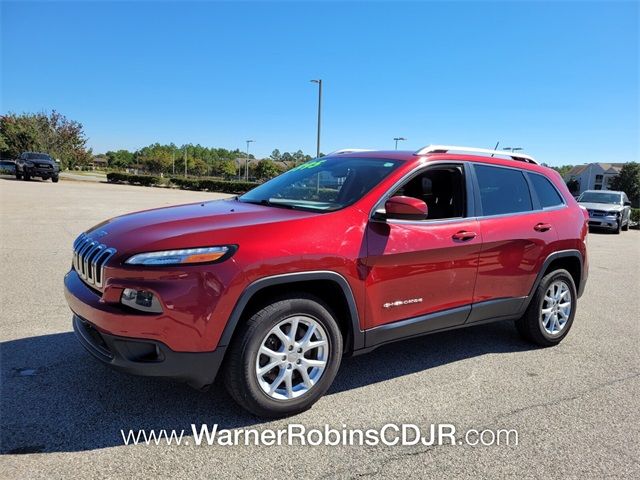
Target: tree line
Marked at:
66, 141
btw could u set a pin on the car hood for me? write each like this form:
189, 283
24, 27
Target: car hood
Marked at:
608, 207
184, 226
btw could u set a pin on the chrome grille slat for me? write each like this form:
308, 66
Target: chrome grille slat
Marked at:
90, 258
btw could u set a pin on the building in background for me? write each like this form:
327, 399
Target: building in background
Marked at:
592, 176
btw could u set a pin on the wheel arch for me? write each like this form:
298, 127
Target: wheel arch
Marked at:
329, 286
570, 260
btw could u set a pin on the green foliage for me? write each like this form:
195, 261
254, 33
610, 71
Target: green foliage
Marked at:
144, 180
120, 159
213, 185
51, 133
266, 169
635, 215
574, 186
628, 181
563, 170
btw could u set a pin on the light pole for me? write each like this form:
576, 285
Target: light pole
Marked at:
319, 82
185, 161
399, 139
246, 163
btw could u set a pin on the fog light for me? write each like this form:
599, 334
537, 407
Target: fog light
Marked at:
142, 300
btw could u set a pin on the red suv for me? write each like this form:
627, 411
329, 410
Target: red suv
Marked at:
337, 256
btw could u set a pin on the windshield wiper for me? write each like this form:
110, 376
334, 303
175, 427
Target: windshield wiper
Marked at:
267, 203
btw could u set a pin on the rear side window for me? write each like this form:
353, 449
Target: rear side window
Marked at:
502, 190
547, 194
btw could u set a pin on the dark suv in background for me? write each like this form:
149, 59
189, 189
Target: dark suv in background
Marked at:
34, 164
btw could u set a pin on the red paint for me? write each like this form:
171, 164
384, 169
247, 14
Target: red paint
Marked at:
447, 264
406, 206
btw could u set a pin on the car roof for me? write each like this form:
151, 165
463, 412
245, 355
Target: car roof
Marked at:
411, 156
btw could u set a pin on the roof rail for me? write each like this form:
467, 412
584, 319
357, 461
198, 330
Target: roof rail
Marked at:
350, 150
483, 151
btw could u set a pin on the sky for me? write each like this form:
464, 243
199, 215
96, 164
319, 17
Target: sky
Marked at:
560, 79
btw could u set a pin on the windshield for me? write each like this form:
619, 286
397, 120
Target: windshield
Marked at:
38, 156
600, 197
324, 184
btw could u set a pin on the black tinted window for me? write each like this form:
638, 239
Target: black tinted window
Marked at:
502, 190
547, 194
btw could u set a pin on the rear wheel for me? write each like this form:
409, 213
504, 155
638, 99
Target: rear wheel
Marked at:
285, 357
550, 314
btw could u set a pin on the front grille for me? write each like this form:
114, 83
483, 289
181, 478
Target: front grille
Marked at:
89, 259
597, 213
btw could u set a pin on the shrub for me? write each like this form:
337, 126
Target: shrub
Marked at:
213, 185
635, 216
144, 180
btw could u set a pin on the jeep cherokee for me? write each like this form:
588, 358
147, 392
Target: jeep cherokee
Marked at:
337, 256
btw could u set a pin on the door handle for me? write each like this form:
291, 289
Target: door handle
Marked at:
542, 227
463, 235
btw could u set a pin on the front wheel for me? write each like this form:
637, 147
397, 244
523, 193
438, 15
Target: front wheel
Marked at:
285, 357
26, 177
550, 314
18, 176
55, 179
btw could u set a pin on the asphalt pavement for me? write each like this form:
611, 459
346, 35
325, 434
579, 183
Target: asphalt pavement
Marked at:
576, 407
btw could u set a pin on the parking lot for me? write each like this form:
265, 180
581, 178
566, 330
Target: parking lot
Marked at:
575, 406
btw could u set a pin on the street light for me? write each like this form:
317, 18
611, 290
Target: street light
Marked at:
246, 164
399, 139
319, 82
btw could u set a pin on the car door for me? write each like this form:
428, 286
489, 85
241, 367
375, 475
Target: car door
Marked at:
424, 270
517, 235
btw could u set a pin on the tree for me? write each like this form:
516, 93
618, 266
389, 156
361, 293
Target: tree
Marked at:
120, 158
276, 156
266, 169
628, 181
51, 133
574, 186
563, 170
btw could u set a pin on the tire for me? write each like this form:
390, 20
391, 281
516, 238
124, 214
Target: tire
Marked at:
244, 375
54, 179
538, 327
625, 227
26, 177
619, 229
18, 176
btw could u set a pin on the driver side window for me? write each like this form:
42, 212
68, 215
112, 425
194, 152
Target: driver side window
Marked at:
442, 188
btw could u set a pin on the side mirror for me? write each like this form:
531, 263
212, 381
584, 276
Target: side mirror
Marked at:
627, 204
405, 208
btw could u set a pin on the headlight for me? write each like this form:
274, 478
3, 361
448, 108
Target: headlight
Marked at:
613, 213
185, 256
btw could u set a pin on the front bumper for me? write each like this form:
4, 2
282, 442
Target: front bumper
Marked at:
41, 172
148, 357
610, 223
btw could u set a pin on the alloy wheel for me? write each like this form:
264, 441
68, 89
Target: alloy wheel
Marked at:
556, 308
292, 357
